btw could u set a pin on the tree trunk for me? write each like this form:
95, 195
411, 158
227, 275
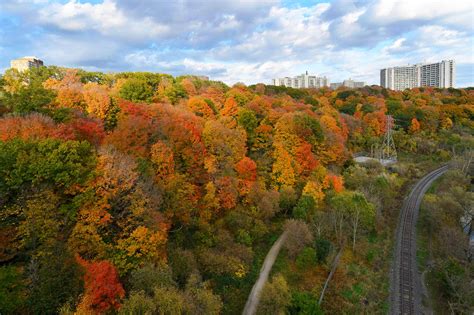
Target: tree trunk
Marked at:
356, 223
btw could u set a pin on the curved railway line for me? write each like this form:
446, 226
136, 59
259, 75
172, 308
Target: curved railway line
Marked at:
405, 285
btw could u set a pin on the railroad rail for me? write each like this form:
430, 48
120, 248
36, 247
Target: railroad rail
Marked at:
405, 285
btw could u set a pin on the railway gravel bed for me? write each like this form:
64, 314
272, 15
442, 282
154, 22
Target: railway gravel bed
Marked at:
405, 289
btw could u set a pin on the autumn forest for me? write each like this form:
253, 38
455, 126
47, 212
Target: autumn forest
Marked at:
144, 193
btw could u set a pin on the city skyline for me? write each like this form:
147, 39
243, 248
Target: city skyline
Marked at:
304, 80
248, 41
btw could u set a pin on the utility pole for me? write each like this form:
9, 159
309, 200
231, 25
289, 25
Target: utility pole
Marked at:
388, 150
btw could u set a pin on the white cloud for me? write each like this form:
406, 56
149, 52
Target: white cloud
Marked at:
288, 33
76, 51
397, 46
251, 40
104, 18
385, 12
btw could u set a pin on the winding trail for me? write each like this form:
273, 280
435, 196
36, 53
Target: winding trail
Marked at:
254, 297
405, 288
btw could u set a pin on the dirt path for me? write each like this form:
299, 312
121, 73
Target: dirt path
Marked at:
254, 297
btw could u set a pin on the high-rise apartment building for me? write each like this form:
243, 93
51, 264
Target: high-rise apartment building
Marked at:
26, 63
441, 74
348, 83
302, 81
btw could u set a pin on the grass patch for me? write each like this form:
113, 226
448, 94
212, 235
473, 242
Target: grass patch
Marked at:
422, 252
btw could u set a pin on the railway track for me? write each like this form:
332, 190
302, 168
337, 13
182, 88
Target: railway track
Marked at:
405, 285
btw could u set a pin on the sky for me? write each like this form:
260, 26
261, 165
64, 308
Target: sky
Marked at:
248, 41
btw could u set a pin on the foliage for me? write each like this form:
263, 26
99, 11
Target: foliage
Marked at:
54, 280
136, 90
304, 303
356, 209
29, 99
137, 303
103, 289
306, 259
275, 296
179, 185
48, 161
298, 237
450, 271
304, 207
146, 278
248, 120
12, 290
323, 248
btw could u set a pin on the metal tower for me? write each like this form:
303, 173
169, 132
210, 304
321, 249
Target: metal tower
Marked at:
388, 150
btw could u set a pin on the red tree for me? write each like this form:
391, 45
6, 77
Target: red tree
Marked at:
247, 169
307, 162
103, 289
247, 173
91, 130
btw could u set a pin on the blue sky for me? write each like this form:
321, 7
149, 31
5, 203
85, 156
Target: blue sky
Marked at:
246, 41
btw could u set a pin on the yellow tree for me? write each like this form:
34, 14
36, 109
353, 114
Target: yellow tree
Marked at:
163, 159
225, 146
142, 244
69, 89
200, 107
283, 173
97, 100
446, 123
317, 183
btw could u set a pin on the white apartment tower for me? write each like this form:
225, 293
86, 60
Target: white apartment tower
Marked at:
441, 74
302, 81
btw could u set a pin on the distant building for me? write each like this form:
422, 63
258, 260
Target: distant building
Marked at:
25, 63
347, 83
202, 77
441, 74
302, 81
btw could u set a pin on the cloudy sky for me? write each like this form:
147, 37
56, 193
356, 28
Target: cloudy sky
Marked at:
248, 40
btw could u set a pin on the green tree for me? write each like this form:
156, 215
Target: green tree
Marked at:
309, 129
136, 90
137, 304
49, 161
12, 290
323, 247
150, 276
306, 258
54, 280
355, 208
183, 263
30, 98
200, 297
288, 199
41, 223
304, 207
248, 120
304, 303
169, 301
362, 213
275, 297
